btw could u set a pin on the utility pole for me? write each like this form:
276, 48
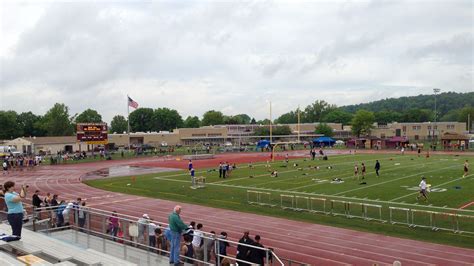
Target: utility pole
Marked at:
299, 127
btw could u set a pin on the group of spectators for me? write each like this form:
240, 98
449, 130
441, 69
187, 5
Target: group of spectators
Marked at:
195, 242
20, 162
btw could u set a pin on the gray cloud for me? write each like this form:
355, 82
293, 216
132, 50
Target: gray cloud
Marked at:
231, 55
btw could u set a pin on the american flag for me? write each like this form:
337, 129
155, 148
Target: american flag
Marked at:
132, 103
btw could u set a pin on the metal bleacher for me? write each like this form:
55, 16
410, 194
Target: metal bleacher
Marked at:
51, 251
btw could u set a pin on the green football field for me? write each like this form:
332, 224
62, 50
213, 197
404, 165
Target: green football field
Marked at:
306, 190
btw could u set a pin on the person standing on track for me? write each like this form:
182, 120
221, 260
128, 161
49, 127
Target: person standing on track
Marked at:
423, 187
377, 167
466, 169
220, 170
177, 226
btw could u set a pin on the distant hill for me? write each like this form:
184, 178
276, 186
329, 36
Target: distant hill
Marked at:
446, 102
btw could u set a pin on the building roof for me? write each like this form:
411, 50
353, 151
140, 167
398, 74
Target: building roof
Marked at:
454, 136
52, 140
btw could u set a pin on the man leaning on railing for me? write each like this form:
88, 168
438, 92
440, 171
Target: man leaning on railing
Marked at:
177, 226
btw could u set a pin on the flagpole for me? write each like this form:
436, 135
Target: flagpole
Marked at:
128, 121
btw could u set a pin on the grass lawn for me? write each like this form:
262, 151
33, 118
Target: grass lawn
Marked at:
396, 187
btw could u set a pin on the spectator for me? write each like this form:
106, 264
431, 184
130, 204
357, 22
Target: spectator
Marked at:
177, 226
257, 256
151, 234
187, 251
114, 224
15, 207
142, 224
36, 201
59, 213
161, 242
222, 247
66, 213
82, 215
75, 206
133, 231
47, 200
198, 243
209, 245
54, 207
243, 250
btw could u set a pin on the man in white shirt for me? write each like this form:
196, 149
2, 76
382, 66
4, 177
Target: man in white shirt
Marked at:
151, 234
422, 189
197, 243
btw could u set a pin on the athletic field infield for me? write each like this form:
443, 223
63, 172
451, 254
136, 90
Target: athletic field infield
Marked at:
328, 192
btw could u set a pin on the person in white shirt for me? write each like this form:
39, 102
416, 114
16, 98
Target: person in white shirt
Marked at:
198, 243
151, 234
422, 189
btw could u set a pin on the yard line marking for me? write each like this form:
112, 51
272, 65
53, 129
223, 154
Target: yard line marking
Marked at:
414, 193
392, 180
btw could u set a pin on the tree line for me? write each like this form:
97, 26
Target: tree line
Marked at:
59, 122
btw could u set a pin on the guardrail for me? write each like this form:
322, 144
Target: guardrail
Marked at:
96, 223
412, 217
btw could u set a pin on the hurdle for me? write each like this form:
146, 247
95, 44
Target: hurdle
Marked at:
265, 198
302, 200
404, 212
199, 182
446, 221
287, 201
252, 197
377, 209
336, 207
464, 224
314, 204
426, 219
355, 210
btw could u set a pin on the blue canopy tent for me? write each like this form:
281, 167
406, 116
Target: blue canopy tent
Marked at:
263, 143
323, 141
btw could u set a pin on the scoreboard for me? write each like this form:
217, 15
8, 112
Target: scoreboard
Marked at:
92, 133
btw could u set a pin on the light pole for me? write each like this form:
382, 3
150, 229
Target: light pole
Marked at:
435, 127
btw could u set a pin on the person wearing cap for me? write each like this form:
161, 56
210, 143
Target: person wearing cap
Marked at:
177, 226
142, 224
243, 250
422, 189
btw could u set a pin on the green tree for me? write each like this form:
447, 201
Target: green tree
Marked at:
464, 113
166, 119
338, 116
232, 120
385, 117
56, 121
362, 122
264, 122
141, 120
31, 124
316, 111
324, 129
418, 115
89, 116
450, 116
10, 127
212, 117
243, 118
253, 122
119, 124
288, 118
192, 122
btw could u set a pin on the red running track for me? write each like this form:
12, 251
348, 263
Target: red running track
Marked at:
310, 243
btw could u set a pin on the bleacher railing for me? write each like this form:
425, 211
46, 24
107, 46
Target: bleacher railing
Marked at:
434, 218
96, 224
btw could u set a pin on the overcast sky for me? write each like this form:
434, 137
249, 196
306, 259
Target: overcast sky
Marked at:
232, 56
